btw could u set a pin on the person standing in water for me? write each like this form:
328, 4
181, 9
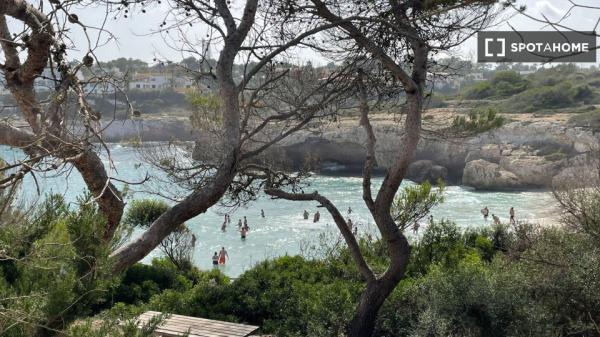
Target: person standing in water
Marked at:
262, 213
223, 256
485, 211
244, 232
245, 221
317, 217
496, 219
512, 215
215, 260
349, 210
305, 214
350, 224
416, 226
240, 223
224, 226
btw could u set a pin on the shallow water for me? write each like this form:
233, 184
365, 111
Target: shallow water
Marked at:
283, 230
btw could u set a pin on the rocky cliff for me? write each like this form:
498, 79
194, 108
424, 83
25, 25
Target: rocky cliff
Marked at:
517, 155
522, 154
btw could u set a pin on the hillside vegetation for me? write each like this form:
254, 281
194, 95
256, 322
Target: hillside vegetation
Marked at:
558, 88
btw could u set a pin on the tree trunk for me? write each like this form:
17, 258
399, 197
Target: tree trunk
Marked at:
371, 300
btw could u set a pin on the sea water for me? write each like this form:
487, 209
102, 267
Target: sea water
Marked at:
283, 229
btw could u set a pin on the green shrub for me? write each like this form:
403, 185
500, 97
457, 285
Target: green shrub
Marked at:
142, 213
479, 120
503, 84
57, 267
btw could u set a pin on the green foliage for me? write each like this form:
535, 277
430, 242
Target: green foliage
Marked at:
288, 296
480, 90
119, 321
206, 110
478, 120
140, 282
503, 84
143, 212
414, 203
55, 267
177, 246
559, 87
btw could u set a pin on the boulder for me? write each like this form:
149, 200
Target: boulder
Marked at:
426, 170
482, 174
532, 171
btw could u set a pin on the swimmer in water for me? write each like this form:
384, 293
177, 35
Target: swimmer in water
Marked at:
305, 214
512, 215
223, 256
215, 260
485, 211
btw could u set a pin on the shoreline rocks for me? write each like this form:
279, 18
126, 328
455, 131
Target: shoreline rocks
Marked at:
516, 155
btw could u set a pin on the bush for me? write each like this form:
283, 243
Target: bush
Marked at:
288, 296
503, 84
54, 269
478, 120
142, 213
140, 282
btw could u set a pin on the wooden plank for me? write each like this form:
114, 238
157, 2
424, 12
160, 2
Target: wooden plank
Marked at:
211, 323
204, 321
207, 324
178, 325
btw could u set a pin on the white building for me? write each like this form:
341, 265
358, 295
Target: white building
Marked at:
150, 82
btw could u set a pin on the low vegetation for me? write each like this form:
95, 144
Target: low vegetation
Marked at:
560, 87
478, 120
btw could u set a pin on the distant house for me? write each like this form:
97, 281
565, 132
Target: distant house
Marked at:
183, 84
150, 82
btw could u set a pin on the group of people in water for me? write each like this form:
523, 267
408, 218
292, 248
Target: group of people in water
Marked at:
243, 227
221, 257
486, 212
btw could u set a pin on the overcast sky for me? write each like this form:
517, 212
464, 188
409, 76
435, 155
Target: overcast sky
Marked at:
136, 41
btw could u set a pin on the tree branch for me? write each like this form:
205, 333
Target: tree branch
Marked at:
350, 239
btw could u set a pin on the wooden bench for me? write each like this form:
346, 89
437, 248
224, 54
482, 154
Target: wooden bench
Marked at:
178, 325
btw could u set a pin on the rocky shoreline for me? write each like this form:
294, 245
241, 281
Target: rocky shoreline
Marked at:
518, 155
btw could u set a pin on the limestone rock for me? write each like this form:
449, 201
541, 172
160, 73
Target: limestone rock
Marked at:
483, 174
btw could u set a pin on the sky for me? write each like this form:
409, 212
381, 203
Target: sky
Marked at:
135, 38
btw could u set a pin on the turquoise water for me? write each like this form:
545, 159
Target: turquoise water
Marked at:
283, 230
